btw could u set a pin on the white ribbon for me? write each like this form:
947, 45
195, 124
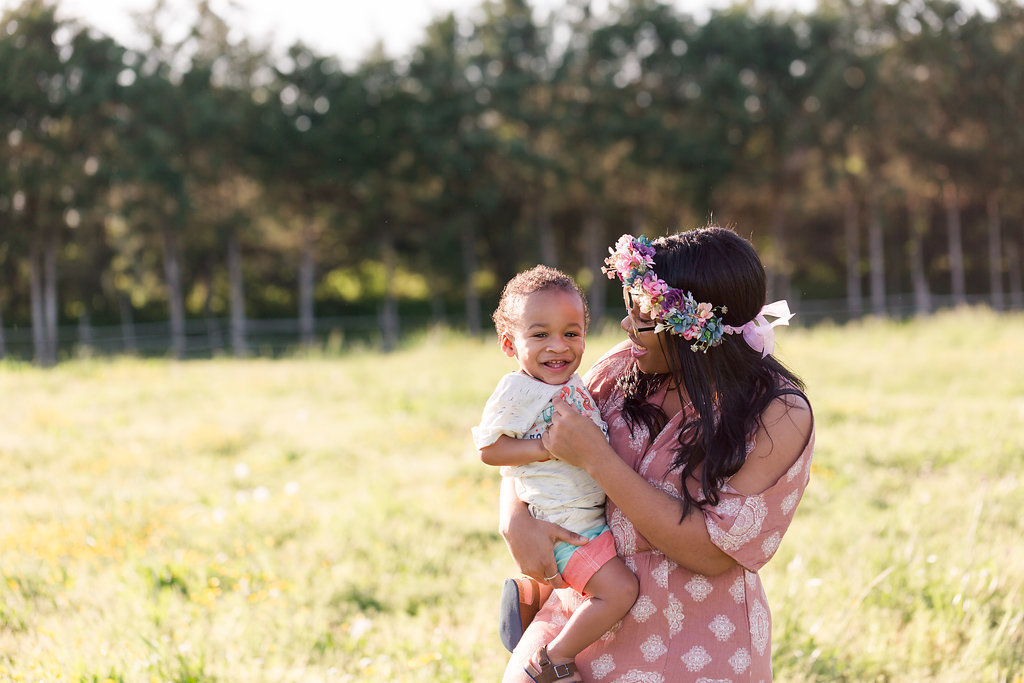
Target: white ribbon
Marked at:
759, 333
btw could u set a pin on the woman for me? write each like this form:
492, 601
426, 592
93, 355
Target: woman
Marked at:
709, 450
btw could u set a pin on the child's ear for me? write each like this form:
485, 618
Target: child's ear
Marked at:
508, 346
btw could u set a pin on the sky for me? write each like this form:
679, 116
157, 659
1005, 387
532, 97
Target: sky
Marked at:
348, 29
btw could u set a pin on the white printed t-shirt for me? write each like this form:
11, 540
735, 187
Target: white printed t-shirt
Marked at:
521, 407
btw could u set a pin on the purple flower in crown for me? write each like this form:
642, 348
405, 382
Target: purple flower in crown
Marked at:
644, 246
674, 299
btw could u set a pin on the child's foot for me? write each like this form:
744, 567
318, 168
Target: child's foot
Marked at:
521, 599
542, 670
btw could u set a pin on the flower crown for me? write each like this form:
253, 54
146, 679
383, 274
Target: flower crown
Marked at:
676, 311
671, 309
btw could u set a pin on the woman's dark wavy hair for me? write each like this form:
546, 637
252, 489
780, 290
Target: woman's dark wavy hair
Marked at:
730, 386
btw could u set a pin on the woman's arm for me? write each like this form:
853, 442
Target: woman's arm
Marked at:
654, 513
531, 541
509, 451
786, 427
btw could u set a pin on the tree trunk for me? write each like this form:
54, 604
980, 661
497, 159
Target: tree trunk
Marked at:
995, 252
50, 300
389, 307
637, 218
956, 247
175, 300
778, 277
918, 215
307, 270
124, 304
214, 340
1014, 276
236, 289
876, 252
594, 245
35, 285
85, 335
851, 232
469, 266
546, 236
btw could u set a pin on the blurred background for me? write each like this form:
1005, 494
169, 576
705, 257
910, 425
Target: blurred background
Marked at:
198, 178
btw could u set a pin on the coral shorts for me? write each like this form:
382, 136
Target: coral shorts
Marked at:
587, 559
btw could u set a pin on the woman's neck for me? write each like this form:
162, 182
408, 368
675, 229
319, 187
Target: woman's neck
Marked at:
674, 399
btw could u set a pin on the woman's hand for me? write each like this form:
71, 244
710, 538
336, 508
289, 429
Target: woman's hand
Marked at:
531, 541
573, 437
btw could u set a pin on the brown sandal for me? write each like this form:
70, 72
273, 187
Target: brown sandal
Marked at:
548, 672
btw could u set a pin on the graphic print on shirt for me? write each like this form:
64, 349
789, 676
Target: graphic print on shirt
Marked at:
578, 399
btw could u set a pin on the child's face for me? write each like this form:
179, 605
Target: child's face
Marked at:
547, 339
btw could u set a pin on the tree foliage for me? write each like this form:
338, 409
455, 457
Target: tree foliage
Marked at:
869, 142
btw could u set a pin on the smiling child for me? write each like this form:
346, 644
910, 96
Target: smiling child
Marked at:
542, 319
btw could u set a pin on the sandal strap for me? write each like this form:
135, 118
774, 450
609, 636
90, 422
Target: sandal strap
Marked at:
534, 588
548, 672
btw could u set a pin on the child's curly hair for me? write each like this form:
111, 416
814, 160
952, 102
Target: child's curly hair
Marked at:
536, 279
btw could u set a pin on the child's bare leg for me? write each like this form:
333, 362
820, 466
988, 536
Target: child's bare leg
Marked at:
612, 592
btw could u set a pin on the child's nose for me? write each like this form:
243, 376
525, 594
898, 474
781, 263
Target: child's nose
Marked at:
557, 344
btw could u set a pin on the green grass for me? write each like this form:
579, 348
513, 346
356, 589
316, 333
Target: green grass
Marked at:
317, 519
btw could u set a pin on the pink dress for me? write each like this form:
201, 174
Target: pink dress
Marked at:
684, 626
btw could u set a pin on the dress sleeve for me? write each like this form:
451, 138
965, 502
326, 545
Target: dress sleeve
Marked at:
749, 529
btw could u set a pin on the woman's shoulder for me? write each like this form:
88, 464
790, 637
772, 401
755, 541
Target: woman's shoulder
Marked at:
785, 434
609, 366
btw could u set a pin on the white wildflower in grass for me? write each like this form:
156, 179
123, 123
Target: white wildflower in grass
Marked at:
291, 488
260, 494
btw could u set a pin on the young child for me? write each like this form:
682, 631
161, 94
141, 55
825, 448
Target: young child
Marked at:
541, 321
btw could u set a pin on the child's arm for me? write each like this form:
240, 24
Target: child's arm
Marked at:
509, 451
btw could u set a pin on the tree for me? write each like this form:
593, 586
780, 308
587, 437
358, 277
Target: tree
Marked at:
305, 157
35, 79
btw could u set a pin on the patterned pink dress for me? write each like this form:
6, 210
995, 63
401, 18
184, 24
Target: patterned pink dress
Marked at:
684, 626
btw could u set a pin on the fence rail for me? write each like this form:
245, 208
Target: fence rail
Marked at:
207, 337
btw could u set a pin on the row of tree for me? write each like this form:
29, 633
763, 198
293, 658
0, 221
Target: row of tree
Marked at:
867, 148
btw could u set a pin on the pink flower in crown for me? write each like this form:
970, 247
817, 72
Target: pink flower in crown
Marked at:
653, 289
624, 243
629, 259
627, 262
693, 332
704, 311
653, 285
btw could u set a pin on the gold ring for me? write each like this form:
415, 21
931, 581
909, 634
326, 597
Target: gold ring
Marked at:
548, 578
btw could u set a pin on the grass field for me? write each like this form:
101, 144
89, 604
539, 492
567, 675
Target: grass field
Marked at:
326, 519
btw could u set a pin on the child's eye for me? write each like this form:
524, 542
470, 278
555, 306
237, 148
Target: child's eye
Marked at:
541, 335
